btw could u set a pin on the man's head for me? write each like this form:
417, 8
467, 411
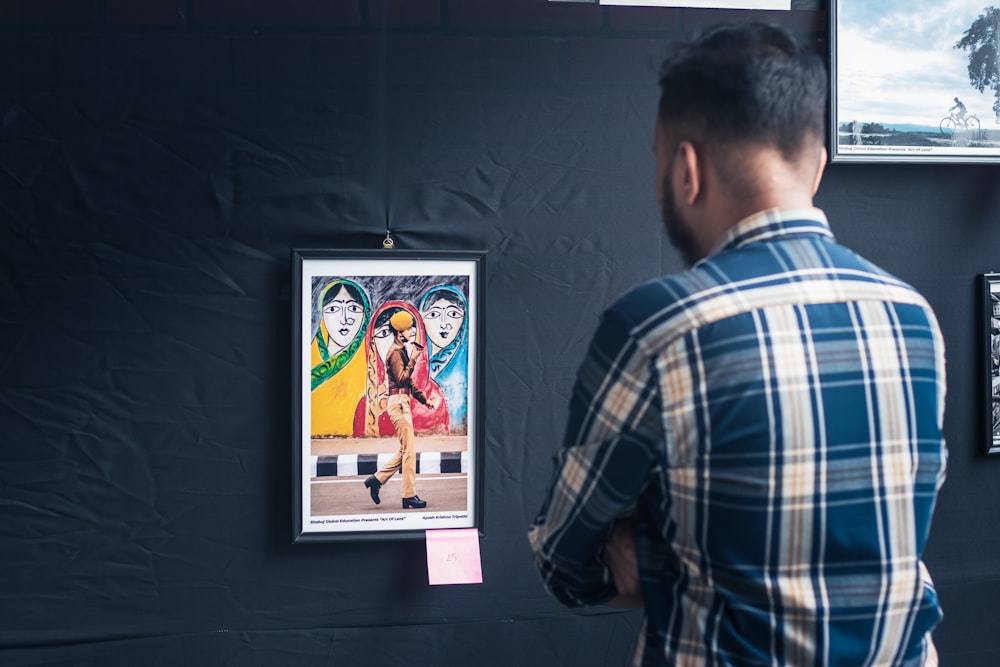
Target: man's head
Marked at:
402, 324
745, 84
735, 100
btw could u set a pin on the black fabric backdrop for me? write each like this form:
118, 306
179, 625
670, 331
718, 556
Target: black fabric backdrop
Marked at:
145, 335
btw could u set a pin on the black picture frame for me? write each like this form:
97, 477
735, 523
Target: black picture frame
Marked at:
893, 88
341, 429
989, 290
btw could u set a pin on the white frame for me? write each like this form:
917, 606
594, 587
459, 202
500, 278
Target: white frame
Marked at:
386, 276
871, 87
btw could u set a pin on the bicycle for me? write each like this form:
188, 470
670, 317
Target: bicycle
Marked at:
950, 123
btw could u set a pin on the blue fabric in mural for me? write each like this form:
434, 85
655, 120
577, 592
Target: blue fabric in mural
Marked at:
444, 310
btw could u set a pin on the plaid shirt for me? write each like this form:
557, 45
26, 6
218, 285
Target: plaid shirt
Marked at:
771, 419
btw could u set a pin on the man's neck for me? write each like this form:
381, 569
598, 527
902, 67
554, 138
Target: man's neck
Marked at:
778, 184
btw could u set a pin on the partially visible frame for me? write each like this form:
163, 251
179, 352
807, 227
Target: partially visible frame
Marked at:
701, 4
897, 70
990, 307
705, 4
342, 432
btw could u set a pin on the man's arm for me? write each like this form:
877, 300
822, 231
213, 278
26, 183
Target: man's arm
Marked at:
420, 396
601, 470
620, 555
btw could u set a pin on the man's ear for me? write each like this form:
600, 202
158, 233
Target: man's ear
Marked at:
687, 172
819, 169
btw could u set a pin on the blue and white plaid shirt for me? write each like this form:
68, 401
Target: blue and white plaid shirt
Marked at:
771, 418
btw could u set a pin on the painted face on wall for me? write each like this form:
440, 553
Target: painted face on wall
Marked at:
343, 317
383, 337
442, 320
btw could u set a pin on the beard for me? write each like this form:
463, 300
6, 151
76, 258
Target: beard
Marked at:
678, 231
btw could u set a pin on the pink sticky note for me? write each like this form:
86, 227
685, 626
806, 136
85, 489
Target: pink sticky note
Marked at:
453, 557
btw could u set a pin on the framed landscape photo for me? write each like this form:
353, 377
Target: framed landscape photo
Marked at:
990, 300
915, 81
387, 402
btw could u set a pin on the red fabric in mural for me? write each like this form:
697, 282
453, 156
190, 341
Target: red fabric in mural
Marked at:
370, 416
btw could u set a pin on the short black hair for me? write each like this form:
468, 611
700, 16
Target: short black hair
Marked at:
745, 83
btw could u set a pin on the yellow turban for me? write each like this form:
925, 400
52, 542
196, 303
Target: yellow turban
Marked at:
401, 321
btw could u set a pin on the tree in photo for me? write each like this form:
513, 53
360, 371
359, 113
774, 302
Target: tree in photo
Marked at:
982, 41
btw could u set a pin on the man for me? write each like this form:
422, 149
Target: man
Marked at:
754, 445
959, 109
399, 363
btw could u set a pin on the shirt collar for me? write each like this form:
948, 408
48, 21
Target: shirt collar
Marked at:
772, 224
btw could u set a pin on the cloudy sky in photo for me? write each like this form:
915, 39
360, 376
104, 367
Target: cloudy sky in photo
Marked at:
896, 61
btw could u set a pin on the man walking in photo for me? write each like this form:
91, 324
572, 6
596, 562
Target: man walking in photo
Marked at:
399, 364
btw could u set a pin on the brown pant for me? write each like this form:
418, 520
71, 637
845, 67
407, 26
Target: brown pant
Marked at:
406, 458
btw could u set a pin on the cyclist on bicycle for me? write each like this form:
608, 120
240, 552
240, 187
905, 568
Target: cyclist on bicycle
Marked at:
961, 110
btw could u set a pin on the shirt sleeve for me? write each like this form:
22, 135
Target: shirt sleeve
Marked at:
613, 431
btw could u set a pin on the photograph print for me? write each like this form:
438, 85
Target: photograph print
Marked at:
991, 305
915, 81
387, 411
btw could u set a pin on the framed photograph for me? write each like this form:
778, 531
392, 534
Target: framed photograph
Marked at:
914, 81
990, 299
387, 412
705, 4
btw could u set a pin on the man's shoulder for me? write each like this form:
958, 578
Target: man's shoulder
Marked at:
657, 297
752, 276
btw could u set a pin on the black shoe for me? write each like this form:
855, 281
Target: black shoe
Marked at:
415, 502
374, 485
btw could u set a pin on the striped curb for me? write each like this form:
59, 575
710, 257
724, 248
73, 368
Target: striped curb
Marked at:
351, 465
